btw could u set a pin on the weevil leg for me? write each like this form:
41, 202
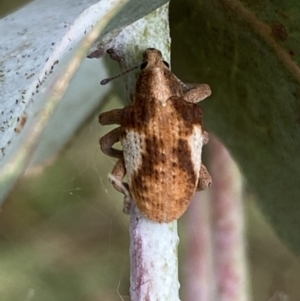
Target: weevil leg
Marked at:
127, 204
118, 174
116, 178
108, 140
113, 53
205, 180
111, 117
205, 137
196, 92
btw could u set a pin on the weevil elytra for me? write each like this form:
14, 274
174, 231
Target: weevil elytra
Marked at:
162, 137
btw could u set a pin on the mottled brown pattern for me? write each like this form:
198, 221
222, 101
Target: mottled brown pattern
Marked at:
156, 131
184, 161
165, 181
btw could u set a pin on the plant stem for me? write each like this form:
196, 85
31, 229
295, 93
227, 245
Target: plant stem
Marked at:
153, 246
154, 263
198, 273
228, 226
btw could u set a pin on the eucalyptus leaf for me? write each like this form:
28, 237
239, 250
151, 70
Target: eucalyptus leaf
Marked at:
40, 55
248, 52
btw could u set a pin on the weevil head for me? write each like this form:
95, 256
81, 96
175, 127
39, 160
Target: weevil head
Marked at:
153, 57
156, 82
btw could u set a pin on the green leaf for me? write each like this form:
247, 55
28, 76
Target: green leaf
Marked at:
248, 52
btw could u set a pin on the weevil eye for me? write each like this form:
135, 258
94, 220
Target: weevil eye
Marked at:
144, 65
166, 64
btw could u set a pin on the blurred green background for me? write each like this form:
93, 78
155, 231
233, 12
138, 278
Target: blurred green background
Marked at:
64, 236
8, 6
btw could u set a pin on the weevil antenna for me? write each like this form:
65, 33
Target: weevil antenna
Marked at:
107, 80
